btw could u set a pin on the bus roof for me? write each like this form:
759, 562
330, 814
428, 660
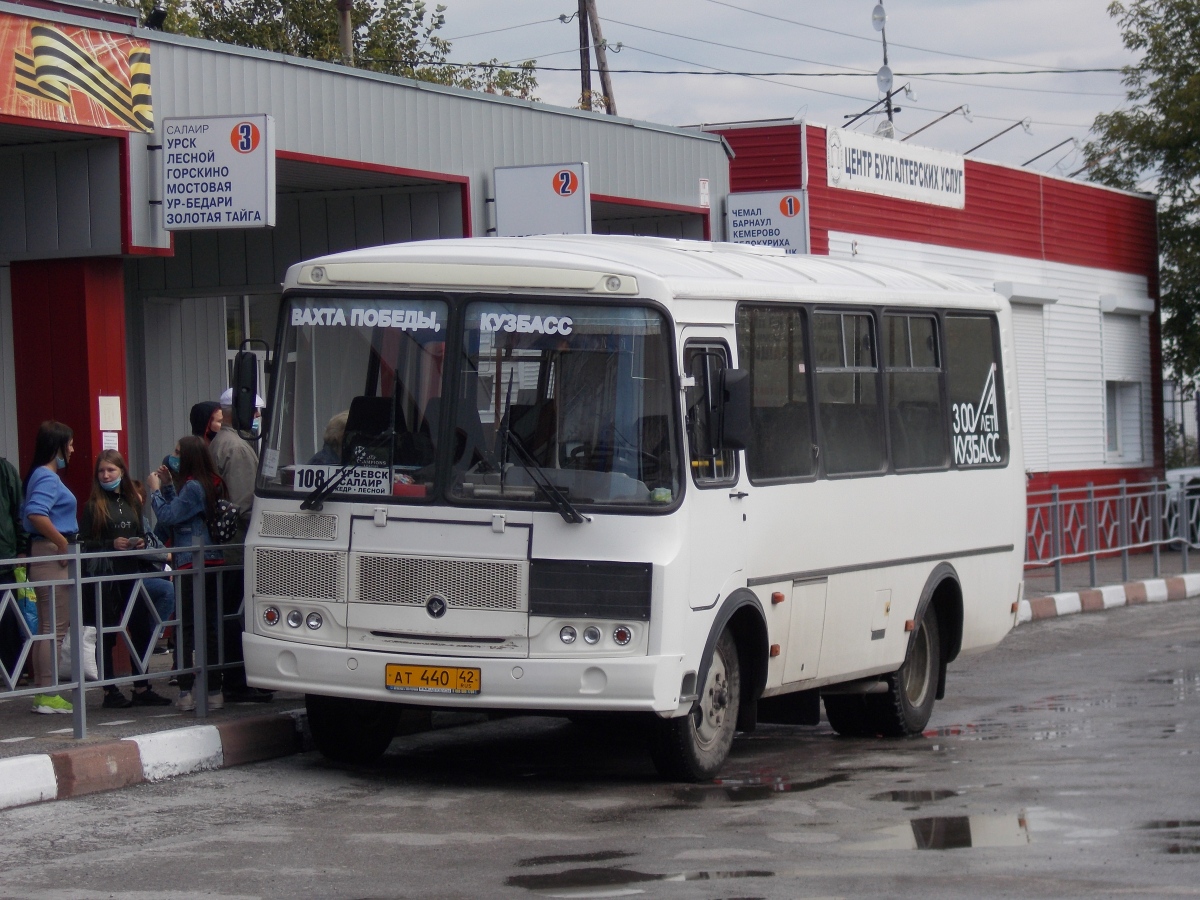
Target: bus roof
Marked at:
695, 270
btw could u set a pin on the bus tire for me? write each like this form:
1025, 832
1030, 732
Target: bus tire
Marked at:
351, 731
695, 746
908, 703
848, 715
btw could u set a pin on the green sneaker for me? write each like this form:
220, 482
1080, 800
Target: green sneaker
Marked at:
49, 704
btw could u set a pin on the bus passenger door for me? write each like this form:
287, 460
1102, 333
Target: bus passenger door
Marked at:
717, 502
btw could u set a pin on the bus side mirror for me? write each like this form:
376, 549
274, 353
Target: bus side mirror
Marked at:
734, 399
245, 388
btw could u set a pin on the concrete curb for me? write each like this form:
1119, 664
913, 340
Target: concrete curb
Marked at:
159, 755
1154, 590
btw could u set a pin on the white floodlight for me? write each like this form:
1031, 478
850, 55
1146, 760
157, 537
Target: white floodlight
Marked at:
878, 17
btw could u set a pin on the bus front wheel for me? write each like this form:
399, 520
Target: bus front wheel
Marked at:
351, 731
695, 746
908, 703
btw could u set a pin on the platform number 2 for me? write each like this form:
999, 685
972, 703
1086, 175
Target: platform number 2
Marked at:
566, 182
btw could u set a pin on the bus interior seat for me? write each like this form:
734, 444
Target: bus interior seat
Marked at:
535, 425
367, 424
918, 434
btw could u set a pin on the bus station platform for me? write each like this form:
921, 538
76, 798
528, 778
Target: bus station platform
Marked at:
40, 760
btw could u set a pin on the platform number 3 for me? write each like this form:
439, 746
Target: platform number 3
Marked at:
245, 137
566, 182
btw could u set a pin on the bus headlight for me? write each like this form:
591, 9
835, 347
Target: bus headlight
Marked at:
567, 634
314, 621
294, 618
591, 634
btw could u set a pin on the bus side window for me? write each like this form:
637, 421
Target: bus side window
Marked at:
978, 429
913, 381
703, 363
771, 345
847, 375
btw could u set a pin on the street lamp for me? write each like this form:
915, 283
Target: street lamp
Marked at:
1024, 123
964, 109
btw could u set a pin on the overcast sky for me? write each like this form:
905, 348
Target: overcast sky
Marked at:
953, 36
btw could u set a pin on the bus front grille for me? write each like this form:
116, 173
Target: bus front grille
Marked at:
289, 525
482, 584
299, 574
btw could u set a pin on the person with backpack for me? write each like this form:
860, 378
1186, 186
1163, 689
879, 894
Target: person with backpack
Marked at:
112, 522
188, 513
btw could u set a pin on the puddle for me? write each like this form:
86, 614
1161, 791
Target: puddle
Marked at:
1186, 682
1181, 837
753, 788
614, 882
915, 796
599, 856
955, 833
982, 731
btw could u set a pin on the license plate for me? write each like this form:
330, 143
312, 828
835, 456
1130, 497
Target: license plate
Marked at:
433, 679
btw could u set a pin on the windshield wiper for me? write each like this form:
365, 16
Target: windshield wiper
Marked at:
316, 500
549, 489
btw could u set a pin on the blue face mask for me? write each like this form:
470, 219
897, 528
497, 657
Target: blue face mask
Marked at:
173, 463
111, 486
256, 428
59, 462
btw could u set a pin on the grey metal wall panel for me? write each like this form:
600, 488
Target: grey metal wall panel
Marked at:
426, 218
12, 207
206, 268
74, 196
450, 213
340, 223
166, 413
314, 227
41, 203
397, 218
178, 269
368, 220
232, 257
136, 389
286, 235
104, 187
260, 256
8, 390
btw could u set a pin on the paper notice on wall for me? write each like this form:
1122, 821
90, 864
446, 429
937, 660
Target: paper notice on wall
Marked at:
110, 413
108, 440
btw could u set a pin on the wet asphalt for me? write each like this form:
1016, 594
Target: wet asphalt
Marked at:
1066, 763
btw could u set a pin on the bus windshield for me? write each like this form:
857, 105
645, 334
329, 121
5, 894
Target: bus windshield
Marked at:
378, 393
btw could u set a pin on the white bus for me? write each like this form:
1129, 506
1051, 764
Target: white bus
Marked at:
708, 483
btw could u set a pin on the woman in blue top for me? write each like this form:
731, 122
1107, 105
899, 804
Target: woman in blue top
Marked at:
186, 513
50, 516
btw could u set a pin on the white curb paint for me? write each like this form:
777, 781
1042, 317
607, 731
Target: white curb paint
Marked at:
1156, 590
1113, 595
1192, 582
1024, 612
1067, 604
27, 779
166, 754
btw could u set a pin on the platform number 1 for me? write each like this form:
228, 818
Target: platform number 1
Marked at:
790, 205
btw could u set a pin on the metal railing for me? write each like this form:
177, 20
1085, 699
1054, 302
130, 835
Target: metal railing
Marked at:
1092, 523
83, 572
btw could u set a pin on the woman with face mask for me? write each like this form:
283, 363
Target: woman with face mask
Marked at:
49, 516
112, 522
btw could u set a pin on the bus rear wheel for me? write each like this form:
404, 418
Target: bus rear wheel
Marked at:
908, 703
695, 746
351, 731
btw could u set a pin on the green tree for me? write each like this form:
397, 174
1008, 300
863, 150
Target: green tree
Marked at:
399, 37
1156, 138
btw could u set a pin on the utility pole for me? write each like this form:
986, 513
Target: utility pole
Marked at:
610, 101
346, 30
585, 59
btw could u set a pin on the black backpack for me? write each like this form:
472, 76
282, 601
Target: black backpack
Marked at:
223, 527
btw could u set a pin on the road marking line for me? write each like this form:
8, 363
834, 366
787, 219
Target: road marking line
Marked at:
15, 740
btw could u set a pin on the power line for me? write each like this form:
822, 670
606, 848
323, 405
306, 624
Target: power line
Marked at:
463, 37
859, 37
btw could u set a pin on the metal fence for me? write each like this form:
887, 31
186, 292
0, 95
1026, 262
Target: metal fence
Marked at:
84, 573
1092, 523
